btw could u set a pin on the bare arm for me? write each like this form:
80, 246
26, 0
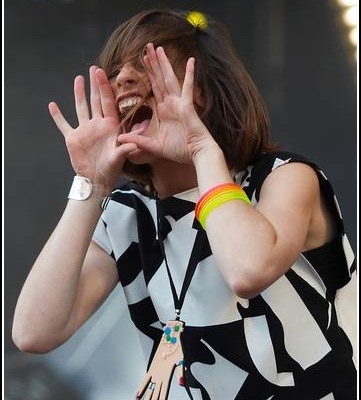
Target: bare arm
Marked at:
68, 282
261, 243
253, 246
71, 277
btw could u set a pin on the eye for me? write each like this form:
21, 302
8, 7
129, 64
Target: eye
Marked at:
113, 74
140, 67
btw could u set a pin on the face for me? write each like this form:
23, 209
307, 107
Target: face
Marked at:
135, 104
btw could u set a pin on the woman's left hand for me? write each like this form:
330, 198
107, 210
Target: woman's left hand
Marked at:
181, 133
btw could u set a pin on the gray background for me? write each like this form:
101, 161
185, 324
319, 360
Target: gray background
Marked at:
296, 51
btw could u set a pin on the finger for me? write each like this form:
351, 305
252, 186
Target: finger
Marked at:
58, 118
164, 390
95, 103
144, 385
126, 148
106, 95
143, 142
171, 81
156, 92
122, 151
81, 104
157, 390
156, 70
148, 395
187, 90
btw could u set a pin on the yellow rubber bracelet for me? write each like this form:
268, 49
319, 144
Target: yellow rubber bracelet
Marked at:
217, 200
212, 192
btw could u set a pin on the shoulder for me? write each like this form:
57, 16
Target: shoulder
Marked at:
291, 176
287, 170
293, 191
267, 166
284, 177
268, 162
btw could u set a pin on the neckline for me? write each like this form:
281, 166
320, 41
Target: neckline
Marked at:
187, 195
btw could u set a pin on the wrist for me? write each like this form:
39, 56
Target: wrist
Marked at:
206, 153
211, 168
98, 188
83, 190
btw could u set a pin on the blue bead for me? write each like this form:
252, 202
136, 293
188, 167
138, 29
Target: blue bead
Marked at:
173, 340
167, 330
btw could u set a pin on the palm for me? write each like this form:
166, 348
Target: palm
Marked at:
92, 145
173, 130
180, 128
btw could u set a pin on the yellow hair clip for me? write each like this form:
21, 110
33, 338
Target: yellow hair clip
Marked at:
197, 19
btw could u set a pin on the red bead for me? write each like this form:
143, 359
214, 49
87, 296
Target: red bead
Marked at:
182, 381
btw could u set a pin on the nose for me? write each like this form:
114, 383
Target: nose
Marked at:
127, 77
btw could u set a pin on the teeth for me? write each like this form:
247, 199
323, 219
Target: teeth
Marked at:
130, 102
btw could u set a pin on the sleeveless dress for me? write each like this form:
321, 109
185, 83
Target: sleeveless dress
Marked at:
286, 343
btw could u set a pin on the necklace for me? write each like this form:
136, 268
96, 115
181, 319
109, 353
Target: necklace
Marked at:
169, 357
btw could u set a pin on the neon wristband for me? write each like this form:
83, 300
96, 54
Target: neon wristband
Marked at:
215, 197
212, 192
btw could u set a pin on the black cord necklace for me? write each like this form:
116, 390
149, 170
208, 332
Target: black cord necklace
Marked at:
191, 268
169, 357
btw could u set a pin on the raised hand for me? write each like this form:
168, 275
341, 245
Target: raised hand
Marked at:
92, 145
168, 357
181, 132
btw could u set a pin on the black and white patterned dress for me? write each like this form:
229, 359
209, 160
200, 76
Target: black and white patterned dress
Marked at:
286, 343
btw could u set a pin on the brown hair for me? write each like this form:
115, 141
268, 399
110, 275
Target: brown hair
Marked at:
233, 109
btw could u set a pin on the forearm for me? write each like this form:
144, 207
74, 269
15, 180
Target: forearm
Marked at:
45, 304
241, 238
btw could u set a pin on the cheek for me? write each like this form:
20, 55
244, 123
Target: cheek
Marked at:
113, 86
146, 82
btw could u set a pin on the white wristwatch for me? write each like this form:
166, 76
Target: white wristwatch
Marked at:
81, 189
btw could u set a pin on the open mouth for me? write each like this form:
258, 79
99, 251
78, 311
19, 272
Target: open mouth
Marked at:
135, 114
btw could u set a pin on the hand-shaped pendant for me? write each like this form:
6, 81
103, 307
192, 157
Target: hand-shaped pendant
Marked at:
167, 358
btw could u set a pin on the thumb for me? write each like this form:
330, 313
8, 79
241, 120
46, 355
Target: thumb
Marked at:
122, 150
146, 143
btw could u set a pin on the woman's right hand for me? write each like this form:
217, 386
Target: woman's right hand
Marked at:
92, 146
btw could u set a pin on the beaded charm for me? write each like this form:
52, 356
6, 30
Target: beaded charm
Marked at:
167, 359
171, 337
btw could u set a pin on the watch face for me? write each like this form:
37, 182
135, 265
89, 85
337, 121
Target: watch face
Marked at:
81, 189
84, 189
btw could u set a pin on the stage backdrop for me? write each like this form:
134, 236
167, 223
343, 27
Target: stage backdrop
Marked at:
298, 54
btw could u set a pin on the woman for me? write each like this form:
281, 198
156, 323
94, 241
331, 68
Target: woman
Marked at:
230, 252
